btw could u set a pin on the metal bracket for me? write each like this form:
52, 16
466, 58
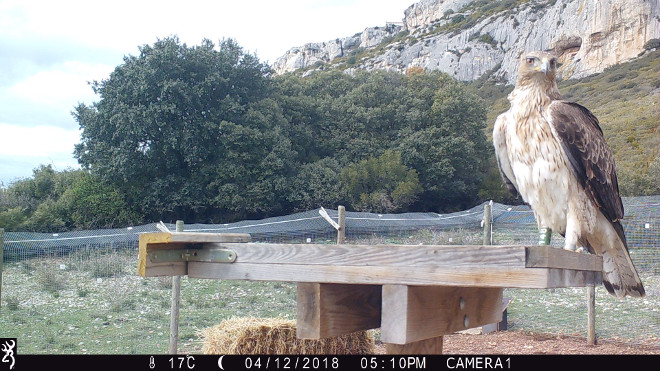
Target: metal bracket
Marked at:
195, 255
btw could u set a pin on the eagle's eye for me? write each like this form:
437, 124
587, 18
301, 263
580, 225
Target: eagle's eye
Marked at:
529, 60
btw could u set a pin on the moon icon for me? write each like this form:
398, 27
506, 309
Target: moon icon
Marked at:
220, 362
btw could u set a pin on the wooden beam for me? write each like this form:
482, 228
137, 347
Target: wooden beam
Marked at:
390, 255
427, 346
388, 275
178, 240
432, 265
415, 255
327, 310
414, 313
549, 257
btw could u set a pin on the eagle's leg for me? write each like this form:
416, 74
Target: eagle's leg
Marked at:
545, 234
571, 234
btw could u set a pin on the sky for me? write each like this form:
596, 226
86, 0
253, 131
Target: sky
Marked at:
51, 50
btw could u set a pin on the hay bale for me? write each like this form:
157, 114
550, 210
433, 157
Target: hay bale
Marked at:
277, 336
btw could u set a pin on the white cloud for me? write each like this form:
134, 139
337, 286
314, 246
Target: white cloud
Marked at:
52, 49
25, 148
62, 86
37, 142
268, 27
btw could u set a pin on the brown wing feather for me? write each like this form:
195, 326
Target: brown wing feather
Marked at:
590, 157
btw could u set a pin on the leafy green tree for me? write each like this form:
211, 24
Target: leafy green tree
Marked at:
381, 184
450, 151
53, 201
317, 184
429, 118
188, 133
92, 204
31, 204
49, 216
11, 219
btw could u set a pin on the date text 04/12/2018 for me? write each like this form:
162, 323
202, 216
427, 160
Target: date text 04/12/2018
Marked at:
321, 362
291, 362
375, 362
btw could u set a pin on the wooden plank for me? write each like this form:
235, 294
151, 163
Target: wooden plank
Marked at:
486, 266
394, 255
415, 255
549, 257
427, 346
571, 278
327, 310
198, 237
381, 275
177, 240
367, 255
414, 313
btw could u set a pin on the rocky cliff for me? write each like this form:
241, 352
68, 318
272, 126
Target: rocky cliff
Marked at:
468, 38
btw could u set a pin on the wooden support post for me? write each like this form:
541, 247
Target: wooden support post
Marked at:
591, 314
487, 227
176, 299
341, 232
414, 313
326, 310
428, 346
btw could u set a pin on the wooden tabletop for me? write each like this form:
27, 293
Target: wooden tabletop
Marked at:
205, 255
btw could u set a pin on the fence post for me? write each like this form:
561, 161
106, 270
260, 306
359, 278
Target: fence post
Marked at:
487, 226
176, 298
341, 231
591, 315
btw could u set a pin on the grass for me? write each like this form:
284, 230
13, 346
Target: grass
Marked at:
124, 313
564, 312
121, 313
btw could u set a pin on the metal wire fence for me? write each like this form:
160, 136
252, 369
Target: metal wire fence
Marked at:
79, 292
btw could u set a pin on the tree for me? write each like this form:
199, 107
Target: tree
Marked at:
381, 184
93, 204
31, 204
179, 130
450, 150
429, 118
53, 201
317, 184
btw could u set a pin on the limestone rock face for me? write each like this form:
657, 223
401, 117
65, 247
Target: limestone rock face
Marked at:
427, 12
319, 53
468, 38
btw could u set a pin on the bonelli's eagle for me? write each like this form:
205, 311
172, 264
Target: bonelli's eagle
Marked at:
552, 153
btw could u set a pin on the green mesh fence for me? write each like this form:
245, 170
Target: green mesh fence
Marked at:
79, 292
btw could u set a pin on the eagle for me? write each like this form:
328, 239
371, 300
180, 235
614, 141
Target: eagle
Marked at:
553, 154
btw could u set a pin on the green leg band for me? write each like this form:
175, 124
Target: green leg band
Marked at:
545, 234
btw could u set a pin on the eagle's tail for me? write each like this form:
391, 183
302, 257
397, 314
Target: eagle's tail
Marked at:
620, 277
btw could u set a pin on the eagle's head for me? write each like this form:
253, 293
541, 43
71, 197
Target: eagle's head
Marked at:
539, 69
538, 65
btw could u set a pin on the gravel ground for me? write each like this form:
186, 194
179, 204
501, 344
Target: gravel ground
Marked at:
516, 342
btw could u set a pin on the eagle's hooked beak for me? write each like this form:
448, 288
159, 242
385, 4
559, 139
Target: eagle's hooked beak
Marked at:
545, 66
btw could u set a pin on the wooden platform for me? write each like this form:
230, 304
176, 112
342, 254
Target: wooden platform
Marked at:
415, 294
